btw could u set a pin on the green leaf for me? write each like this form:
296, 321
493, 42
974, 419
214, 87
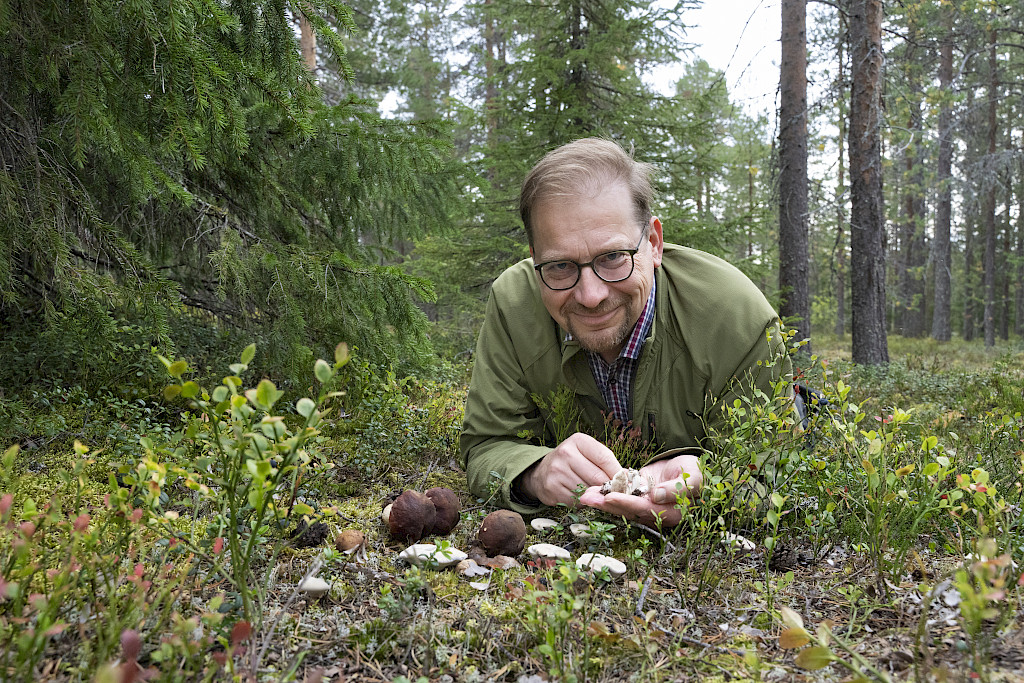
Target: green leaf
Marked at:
930, 469
220, 394
177, 369
248, 353
267, 394
814, 658
322, 371
189, 389
773, 517
777, 499
238, 368
305, 407
302, 509
171, 392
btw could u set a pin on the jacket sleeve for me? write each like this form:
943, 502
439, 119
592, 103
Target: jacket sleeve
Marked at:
501, 419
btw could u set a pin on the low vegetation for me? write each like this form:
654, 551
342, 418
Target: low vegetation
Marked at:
165, 539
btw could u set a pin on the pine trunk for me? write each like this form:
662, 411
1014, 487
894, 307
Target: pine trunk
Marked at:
307, 42
989, 256
942, 327
840, 247
1018, 326
867, 218
793, 247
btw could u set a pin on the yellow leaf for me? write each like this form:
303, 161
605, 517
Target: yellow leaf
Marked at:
792, 638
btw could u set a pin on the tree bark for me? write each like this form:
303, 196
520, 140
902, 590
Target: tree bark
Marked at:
793, 240
1018, 326
867, 217
911, 318
942, 327
989, 255
307, 42
840, 248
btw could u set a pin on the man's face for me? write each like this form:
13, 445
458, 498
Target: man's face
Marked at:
599, 314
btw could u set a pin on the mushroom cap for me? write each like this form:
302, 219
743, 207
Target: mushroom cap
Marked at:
421, 554
543, 524
412, 516
503, 532
548, 550
314, 586
595, 562
447, 506
349, 540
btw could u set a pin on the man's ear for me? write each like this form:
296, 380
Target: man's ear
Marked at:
531, 252
654, 236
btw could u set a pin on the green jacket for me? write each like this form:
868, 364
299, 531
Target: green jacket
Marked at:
711, 325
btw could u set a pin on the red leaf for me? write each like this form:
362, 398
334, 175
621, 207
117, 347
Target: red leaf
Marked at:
240, 632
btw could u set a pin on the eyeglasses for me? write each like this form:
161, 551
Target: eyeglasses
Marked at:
611, 266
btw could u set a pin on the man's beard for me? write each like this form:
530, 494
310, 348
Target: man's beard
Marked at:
604, 340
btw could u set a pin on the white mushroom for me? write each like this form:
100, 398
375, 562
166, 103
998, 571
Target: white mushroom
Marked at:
627, 480
385, 514
742, 543
420, 554
543, 524
580, 530
548, 550
595, 562
470, 568
314, 586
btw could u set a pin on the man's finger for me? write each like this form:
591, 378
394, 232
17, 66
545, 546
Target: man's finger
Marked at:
600, 455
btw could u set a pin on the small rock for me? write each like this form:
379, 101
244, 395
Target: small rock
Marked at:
420, 554
596, 562
314, 586
548, 550
543, 524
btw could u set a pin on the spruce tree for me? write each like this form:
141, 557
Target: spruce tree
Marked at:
172, 169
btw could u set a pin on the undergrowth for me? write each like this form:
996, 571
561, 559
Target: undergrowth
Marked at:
154, 539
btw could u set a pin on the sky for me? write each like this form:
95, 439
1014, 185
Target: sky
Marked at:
740, 37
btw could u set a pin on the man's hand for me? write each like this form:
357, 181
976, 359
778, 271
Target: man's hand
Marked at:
679, 475
580, 459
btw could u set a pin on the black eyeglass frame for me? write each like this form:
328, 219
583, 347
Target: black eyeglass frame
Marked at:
580, 266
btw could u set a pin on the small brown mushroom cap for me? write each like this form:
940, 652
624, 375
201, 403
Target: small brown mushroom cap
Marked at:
412, 516
503, 532
349, 540
447, 506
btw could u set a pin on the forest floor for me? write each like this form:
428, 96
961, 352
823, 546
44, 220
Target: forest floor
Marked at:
859, 569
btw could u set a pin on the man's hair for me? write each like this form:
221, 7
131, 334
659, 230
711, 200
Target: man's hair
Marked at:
585, 168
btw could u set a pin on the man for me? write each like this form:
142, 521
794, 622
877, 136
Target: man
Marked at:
649, 333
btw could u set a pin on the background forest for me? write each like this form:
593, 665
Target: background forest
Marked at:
192, 187
243, 186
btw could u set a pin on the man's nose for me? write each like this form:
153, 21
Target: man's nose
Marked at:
591, 290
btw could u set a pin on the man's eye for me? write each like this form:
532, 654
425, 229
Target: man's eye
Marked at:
560, 267
612, 258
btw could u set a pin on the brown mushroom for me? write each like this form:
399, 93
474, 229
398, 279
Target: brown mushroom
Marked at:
349, 541
446, 505
503, 532
412, 516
